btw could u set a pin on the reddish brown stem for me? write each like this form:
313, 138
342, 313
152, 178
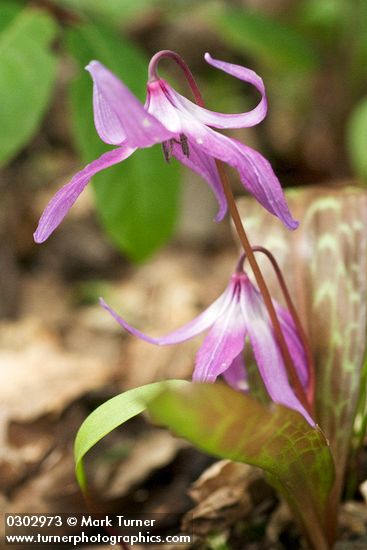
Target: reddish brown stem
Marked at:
290, 368
291, 371
153, 75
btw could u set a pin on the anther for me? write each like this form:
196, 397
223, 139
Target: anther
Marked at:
184, 145
167, 150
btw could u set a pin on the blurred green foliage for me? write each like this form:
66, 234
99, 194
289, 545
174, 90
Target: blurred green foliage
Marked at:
312, 55
27, 69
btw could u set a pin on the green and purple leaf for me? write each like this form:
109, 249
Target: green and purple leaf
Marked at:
229, 424
325, 263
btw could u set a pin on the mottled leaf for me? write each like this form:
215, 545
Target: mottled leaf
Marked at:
27, 73
325, 264
233, 425
137, 200
110, 415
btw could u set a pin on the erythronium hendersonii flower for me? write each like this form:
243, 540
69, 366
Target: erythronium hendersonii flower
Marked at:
237, 314
184, 129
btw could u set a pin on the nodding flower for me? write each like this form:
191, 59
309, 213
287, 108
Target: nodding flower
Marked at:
237, 315
185, 131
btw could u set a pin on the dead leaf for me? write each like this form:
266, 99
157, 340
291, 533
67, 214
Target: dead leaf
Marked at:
225, 493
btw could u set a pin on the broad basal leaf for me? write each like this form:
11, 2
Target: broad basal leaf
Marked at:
233, 425
110, 415
138, 199
325, 265
27, 73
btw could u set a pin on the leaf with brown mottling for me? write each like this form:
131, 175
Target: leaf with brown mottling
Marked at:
325, 265
229, 424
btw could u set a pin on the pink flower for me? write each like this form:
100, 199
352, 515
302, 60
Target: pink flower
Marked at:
237, 314
184, 129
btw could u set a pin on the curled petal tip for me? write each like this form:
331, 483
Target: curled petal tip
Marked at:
38, 238
221, 214
207, 56
293, 224
91, 65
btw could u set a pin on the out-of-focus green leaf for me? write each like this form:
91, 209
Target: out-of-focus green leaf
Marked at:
229, 424
110, 415
274, 44
9, 10
357, 139
27, 73
137, 200
110, 11
323, 15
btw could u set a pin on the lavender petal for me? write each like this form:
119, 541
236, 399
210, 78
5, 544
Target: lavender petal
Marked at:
204, 165
64, 199
236, 375
191, 329
267, 354
119, 115
222, 120
222, 345
255, 171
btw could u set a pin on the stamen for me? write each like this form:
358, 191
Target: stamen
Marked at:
167, 150
184, 145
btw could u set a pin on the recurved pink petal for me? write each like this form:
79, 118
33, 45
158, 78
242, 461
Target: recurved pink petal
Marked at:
204, 165
119, 115
64, 199
222, 120
159, 104
236, 375
224, 342
267, 353
256, 173
191, 329
294, 344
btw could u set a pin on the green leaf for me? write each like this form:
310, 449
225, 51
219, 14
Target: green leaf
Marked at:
275, 44
137, 200
233, 425
357, 139
9, 10
27, 74
110, 415
112, 12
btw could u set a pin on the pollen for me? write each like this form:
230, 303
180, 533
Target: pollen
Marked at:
146, 123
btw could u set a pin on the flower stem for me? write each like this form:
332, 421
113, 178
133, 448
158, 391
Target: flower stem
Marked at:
153, 74
291, 371
290, 368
